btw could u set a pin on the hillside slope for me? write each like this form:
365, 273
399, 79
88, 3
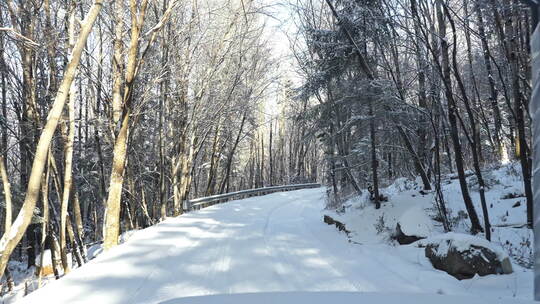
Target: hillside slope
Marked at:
414, 210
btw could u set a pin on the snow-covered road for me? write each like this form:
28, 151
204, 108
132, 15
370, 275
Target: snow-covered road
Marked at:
266, 244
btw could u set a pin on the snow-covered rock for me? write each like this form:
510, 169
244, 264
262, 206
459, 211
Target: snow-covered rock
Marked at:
463, 256
416, 222
404, 239
413, 225
124, 237
94, 250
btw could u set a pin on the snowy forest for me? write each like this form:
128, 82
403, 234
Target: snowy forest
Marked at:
412, 115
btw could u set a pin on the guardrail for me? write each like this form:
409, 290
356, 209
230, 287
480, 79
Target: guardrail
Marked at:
203, 202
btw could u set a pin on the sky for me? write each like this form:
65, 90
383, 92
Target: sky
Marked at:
279, 31
280, 26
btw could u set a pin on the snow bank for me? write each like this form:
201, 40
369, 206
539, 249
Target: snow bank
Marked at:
401, 184
416, 222
374, 226
461, 242
124, 237
94, 250
338, 297
47, 258
415, 211
506, 206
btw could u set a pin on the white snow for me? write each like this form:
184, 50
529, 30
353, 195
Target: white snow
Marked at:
270, 249
46, 257
503, 212
333, 297
462, 242
406, 206
93, 251
416, 222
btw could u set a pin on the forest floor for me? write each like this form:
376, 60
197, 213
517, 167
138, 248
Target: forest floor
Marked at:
273, 249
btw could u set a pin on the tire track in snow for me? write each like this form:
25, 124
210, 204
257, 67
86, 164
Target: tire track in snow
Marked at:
273, 249
293, 210
162, 265
152, 273
372, 259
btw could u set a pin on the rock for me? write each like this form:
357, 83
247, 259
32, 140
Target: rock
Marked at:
340, 226
464, 256
413, 225
517, 204
404, 239
512, 195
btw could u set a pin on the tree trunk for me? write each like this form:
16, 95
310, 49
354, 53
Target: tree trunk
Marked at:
491, 81
69, 138
112, 217
7, 194
474, 139
374, 160
519, 115
12, 237
44, 225
452, 108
